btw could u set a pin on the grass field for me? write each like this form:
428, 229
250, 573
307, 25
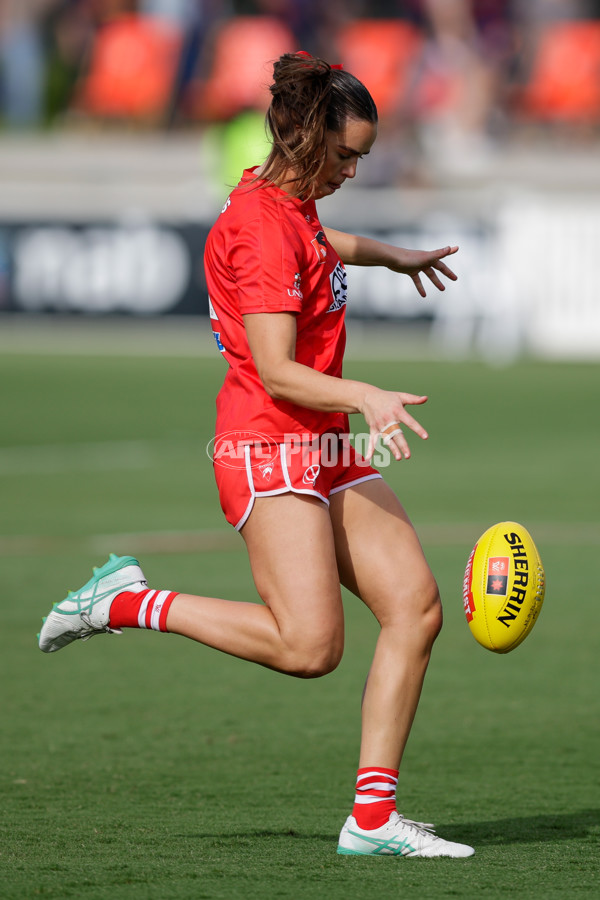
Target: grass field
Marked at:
149, 767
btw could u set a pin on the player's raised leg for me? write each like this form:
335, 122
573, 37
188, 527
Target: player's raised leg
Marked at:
298, 630
381, 560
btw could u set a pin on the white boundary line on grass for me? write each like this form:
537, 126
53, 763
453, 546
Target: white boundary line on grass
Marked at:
51, 459
186, 336
91, 456
442, 534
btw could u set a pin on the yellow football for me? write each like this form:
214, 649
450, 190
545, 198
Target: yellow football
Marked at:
503, 588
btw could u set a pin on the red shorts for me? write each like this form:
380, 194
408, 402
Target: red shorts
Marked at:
317, 467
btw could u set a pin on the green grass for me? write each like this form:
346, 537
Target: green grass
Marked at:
149, 767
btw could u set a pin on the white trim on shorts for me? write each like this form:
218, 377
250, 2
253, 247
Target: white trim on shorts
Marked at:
286, 490
342, 487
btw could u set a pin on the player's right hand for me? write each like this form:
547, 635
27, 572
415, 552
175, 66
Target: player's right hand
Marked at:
386, 414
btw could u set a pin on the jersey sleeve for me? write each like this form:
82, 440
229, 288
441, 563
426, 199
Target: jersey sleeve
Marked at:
266, 259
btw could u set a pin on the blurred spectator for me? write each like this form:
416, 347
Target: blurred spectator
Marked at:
557, 83
475, 75
531, 18
69, 32
313, 22
70, 28
458, 89
196, 19
73, 32
22, 61
181, 12
537, 13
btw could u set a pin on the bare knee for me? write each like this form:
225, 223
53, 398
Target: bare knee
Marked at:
313, 659
434, 617
429, 613
417, 615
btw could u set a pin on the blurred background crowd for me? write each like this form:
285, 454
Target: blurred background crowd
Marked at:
124, 123
454, 77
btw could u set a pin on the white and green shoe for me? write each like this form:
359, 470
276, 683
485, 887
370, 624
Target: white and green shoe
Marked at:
398, 837
85, 612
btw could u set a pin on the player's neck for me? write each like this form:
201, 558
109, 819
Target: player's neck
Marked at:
285, 182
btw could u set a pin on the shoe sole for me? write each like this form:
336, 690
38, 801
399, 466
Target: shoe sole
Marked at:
343, 851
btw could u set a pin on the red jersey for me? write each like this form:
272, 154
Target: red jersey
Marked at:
267, 252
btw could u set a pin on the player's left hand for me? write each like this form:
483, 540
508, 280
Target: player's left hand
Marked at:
427, 262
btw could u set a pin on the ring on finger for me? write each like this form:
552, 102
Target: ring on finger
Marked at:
391, 426
390, 431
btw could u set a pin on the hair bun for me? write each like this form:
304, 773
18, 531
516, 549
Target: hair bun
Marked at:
299, 66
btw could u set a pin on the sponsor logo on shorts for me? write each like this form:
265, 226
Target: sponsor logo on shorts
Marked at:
311, 474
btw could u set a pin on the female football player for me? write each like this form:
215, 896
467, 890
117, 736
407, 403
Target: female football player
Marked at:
312, 512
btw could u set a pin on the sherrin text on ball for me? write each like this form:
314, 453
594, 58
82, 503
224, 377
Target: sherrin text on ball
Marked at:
503, 588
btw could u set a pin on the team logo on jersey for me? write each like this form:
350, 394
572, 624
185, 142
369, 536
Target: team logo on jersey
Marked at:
339, 288
227, 204
319, 243
211, 310
217, 337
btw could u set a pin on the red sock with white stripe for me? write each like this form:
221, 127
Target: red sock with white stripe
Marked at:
141, 609
375, 797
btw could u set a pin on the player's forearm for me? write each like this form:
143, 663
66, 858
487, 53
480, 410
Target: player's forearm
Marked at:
357, 250
299, 384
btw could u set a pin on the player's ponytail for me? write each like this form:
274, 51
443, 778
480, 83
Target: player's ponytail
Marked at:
309, 98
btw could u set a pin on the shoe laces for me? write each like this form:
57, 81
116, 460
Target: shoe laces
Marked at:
422, 829
94, 629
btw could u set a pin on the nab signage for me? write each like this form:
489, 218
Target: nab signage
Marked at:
144, 269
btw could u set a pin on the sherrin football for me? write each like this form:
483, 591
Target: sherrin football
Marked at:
504, 585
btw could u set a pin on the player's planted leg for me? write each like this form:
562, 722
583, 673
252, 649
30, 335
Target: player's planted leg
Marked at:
380, 559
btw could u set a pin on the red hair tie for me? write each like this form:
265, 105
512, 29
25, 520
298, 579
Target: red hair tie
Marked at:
307, 55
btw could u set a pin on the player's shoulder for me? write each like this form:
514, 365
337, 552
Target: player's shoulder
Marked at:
259, 208
244, 205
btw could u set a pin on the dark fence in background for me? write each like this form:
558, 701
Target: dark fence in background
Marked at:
145, 268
